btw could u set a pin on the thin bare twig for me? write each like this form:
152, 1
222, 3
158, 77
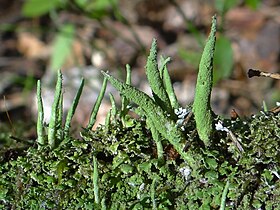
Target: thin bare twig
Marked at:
258, 73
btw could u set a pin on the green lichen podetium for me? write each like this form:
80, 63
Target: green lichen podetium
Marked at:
72, 109
167, 83
97, 104
201, 107
125, 102
156, 81
40, 120
165, 126
55, 115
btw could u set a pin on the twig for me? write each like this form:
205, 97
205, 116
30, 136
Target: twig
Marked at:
258, 73
220, 127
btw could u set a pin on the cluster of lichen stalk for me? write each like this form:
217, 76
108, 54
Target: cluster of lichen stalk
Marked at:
159, 109
56, 132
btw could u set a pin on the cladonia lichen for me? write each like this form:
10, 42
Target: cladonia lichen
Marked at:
201, 107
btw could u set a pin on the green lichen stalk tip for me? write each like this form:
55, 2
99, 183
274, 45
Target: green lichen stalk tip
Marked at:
72, 109
97, 104
40, 120
155, 80
125, 101
201, 107
168, 84
53, 127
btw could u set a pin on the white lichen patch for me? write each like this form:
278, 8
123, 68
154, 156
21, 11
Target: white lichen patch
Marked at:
185, 172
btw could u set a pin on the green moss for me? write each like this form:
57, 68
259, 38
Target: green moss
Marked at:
128, 166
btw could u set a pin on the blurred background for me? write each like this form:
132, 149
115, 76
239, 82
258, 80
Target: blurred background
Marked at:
82, 37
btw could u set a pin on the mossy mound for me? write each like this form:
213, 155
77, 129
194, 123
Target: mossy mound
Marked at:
131, 176
165, 159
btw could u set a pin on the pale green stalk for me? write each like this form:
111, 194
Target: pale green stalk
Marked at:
224, 196
168, 84
60, 112
103, 204
128, 74
95, 180
108, 119
155, 80
163, 63
52, 131
114, 107
125, 102
40, 120
97, 104
153, 194
201, 107
72, 109
156, 138
265, 109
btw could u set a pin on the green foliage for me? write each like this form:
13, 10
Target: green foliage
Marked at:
63, 40
96, 8
223, 6
223, 59
62, 45
35, 8
254, 4
190, 56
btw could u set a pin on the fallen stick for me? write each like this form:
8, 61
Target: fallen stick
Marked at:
258, 73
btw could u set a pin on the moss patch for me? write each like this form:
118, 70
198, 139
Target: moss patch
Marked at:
131, 177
